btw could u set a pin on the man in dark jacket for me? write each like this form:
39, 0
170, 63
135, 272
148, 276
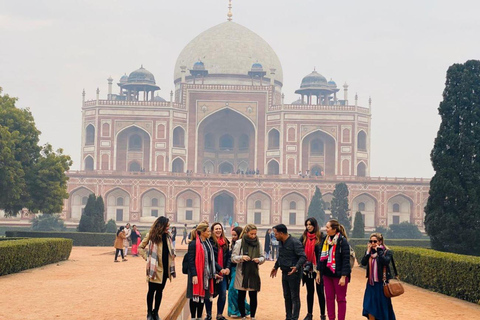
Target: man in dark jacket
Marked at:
290, 260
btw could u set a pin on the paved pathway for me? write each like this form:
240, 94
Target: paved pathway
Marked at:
91, 286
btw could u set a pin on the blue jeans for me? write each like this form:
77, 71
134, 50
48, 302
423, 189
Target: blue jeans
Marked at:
222, 297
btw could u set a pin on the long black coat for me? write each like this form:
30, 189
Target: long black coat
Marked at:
192, 271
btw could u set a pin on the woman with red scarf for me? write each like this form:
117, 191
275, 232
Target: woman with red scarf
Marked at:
202, 270
220, 246
312, 240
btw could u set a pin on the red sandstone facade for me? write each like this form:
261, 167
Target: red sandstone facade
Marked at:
189, 159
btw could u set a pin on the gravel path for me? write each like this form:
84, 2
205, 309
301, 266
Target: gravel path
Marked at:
91, 286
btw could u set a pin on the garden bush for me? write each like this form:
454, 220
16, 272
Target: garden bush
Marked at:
87, 239
418, 243
22, 254
452, 274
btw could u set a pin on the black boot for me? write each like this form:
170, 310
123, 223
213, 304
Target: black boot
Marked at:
308, 317
155, 315
150, 315
324, 317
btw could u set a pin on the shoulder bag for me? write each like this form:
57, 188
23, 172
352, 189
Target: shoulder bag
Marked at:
393, 287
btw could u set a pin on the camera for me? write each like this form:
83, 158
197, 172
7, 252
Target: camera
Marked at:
308, 267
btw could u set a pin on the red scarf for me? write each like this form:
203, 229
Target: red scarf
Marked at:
199, 288
221, 243
310, 247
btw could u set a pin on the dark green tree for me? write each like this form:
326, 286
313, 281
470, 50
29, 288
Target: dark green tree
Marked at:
98, 219
30, 176
111, 226
404, 230
382, 230
316, 209
48, 222
358, 226
340, 208
452, 214
86, 221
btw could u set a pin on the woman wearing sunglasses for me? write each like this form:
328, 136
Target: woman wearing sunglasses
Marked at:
375, 304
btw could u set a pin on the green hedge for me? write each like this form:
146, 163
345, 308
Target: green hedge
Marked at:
18, 255
418, 243
87, 239
452, 274
10, 239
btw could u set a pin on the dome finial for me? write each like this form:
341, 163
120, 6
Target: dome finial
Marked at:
229, 14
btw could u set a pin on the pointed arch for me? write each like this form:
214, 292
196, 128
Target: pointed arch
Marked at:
361, 169
178, 137
362, 140
273, 167
76, 204
189, 204
178, 165
327, 160
117, 203
367, 204
89, 163
273, 139
90, 135
400, 208
294, 209
153, 203
124, 153
259, 206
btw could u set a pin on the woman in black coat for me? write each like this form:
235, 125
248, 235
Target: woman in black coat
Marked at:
377, 258
267, 247
202, 270
312, 240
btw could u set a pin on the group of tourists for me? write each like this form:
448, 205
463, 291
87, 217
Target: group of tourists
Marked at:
127, 236
215, 265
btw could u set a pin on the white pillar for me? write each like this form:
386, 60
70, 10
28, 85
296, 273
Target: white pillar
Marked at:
110, 81
345, 93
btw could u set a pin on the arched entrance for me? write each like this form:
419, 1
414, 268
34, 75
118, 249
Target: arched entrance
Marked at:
223, 136
318, 151
223, 208
133, 145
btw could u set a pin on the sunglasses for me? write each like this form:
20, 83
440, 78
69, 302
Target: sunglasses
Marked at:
373, 241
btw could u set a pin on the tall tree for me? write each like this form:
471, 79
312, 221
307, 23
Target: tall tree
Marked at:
86, 221
30, 176
316, 209
358, 226
98, 218
452, 214
340, 208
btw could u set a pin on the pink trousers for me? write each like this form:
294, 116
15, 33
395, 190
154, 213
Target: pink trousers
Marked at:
135, 247
334, 291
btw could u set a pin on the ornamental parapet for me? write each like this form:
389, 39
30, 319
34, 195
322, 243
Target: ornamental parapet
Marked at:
161, 104
234, 176
310, 107
226, 87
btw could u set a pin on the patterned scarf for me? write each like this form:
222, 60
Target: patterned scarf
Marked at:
152, 259
329, 254
310, 247
373, 268
202, 272
221, 244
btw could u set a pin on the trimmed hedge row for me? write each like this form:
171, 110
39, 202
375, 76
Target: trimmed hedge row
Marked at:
18, 255
418, 243
452, 274
10, 239
86, 239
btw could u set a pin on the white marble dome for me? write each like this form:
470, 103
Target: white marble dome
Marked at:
229, 49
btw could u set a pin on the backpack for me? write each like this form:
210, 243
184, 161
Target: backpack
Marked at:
352, 254
185, 264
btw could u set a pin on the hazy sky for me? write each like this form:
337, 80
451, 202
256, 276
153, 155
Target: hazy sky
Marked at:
397, 52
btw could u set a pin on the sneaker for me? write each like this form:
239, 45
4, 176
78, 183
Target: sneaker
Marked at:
208, 317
